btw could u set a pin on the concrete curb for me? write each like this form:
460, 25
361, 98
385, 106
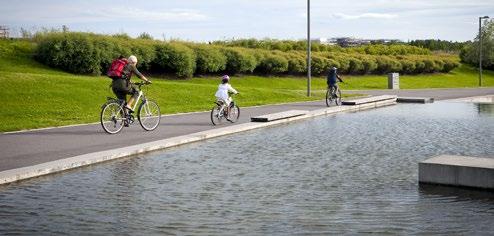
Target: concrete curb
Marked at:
18, 174
460, 171
485, 99
414, 100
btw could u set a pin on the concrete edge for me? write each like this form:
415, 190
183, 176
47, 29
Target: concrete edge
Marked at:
414, 100
379, 98
22, 173
278, 115
474, 99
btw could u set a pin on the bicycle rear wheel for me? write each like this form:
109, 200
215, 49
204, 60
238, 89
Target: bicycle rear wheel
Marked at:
112, 117
217, 115
149, 115
234, 114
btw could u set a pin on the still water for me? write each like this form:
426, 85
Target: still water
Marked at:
345, 174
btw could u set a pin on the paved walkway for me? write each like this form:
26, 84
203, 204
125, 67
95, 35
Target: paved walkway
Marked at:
437, 94
39, 146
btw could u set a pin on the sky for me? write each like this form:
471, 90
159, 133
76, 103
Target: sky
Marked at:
208, 20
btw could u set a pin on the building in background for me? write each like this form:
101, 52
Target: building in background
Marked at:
353, 42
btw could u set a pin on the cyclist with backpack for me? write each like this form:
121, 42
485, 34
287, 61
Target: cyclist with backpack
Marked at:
121, 71
332, 77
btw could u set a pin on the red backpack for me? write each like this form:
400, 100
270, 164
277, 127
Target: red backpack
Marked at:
116, 68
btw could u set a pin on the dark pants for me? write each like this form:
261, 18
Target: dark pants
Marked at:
121, 88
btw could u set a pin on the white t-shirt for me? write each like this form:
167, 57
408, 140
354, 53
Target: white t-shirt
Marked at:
223, 90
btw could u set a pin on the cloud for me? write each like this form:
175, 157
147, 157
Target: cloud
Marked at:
147, 15
363, 16
54, 14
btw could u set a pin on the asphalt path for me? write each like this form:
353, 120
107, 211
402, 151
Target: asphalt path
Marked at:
27, 148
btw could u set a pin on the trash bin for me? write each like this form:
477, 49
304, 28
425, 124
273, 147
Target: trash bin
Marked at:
393, 81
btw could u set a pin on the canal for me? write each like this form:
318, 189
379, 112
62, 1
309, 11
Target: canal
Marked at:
344, 174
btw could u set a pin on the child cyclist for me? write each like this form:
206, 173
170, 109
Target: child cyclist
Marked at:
222, 93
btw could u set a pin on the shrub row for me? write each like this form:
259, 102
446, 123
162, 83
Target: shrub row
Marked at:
301, 45
86, 53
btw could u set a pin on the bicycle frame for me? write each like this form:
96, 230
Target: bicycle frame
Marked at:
141, 94
222, 106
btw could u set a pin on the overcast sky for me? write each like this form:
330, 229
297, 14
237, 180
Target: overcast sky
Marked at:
205, 20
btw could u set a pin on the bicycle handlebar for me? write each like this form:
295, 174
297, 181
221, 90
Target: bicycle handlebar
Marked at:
142, 83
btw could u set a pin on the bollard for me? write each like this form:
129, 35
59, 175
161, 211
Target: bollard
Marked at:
393, 81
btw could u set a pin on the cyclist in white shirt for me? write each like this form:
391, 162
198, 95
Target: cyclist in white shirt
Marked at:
223, 89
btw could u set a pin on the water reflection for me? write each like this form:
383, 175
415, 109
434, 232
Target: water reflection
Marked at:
485, 109
460, 194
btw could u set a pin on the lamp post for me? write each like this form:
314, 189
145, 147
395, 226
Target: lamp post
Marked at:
480, 48
308, 48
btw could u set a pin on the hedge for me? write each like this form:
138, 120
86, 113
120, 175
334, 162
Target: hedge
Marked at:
87, 53
273, 64
209, 59
176, 58
239, 60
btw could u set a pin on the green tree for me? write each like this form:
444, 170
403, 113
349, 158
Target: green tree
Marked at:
145, 35
470, 53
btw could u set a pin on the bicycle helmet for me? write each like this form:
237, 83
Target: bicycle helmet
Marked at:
132, 59
334, 68
225, 79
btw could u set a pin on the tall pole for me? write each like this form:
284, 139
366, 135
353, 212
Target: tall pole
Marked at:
480, 51
308, 49
480, 48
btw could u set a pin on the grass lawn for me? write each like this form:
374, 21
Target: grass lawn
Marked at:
36, 96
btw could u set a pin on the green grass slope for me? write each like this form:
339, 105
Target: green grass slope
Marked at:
34, 95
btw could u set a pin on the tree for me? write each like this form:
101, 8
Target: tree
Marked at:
26, 34
470, 53
145, 35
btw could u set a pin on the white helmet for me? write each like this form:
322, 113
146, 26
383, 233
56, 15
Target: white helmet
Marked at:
132, 59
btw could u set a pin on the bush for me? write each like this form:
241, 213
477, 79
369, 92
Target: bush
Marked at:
408, 67
449, 65
384, 65
209, 59
429, 65
273, 64
73, 52
419, 66
438, 65
355, 66
319, 65
239, 60
296, 64
369, 63
14, 47
176, 58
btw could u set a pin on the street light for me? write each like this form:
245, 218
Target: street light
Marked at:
480, 48
308, 48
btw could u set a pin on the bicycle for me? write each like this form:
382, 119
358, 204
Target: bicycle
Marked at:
333, 95
114, 116
220, 111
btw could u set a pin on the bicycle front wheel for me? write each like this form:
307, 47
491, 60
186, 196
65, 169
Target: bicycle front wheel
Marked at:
149, 115
329, 97
234, 114
338, 97
217, 115
112, 117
